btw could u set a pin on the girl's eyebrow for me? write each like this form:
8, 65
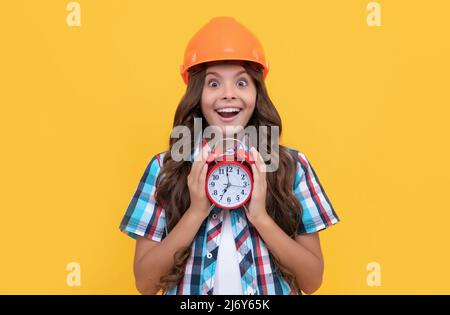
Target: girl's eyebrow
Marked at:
215, 73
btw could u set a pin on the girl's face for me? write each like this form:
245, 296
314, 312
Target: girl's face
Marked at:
229, 96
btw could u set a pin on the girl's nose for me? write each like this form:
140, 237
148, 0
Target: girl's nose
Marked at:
229, 92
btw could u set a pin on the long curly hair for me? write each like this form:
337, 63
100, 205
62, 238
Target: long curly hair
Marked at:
171, 185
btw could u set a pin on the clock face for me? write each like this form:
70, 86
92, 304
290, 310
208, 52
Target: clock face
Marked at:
229, 184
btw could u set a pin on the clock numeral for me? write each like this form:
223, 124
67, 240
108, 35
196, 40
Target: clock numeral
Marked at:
238, 170
212, 184
215, 177
238, 197
215, 192
243, 176
243, 192
229, 199
221, 171
245, 184
229, 169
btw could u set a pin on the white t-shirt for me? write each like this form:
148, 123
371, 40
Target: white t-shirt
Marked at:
228, 277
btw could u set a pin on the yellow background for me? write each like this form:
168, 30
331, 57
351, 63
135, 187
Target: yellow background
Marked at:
83, 109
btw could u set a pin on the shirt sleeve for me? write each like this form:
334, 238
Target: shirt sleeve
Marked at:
144, 217
318, 212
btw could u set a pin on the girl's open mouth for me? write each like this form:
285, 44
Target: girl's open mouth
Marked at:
228, 113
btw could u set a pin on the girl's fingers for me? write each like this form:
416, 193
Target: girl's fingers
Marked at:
202, 178
254, 167
255, 172
252, 152
261, 164
258, 161
205, 152
202, 154
199, 161
262, 167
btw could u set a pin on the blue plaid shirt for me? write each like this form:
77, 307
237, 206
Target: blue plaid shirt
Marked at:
144, 217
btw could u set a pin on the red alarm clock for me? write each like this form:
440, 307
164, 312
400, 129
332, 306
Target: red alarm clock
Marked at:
229, 181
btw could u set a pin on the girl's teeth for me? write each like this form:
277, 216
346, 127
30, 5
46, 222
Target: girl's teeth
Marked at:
228, 110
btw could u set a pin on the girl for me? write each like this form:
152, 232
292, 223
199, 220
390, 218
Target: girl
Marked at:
186, 246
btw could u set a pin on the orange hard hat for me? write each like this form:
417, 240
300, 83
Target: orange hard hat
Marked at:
223, 38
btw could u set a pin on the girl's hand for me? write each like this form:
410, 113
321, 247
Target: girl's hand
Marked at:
200, 204
256, 209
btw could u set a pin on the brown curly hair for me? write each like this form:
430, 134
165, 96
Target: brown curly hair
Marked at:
171, 185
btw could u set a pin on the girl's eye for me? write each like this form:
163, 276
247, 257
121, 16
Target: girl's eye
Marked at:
215, 83
244, 81
212, 81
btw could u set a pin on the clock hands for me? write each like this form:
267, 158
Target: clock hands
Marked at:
237, 186
228, 185
226, 188
224, 191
